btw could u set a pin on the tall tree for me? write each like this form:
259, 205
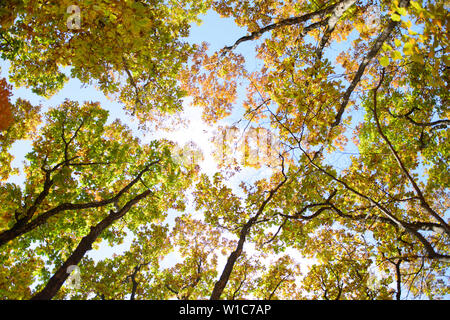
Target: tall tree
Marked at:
129, 49
84, 175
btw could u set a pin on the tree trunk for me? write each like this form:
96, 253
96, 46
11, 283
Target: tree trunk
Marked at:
60, 276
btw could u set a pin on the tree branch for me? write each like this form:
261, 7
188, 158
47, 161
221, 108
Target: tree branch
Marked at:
22, 226
365, 62
336, 14
405, 171
60, 276
223, 280
277, 286
286, 22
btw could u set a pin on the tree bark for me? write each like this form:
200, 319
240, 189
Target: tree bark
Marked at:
220, 285
60, 276
337, 13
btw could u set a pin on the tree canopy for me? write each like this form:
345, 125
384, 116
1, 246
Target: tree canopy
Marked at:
341, 106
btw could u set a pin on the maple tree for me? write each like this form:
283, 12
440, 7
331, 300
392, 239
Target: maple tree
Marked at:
365, 80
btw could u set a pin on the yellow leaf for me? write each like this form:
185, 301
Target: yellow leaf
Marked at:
396, 55
446, 60
407, 48
384, 61
402, 11
395, 17
386, 47
416, 5
407, 23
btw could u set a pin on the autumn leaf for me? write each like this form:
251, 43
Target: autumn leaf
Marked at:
384, 61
